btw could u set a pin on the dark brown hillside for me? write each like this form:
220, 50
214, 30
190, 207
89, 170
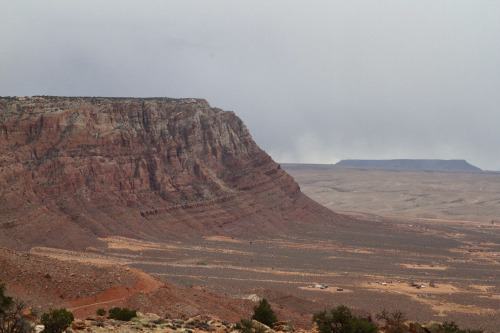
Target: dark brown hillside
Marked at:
76, 169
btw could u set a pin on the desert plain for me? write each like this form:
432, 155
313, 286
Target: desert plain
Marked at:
425, 243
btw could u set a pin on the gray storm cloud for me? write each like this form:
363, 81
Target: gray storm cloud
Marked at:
314, 81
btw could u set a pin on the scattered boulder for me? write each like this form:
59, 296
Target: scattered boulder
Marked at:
78, 325
282, 326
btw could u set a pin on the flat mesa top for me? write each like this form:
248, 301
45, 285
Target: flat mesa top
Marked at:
414, 164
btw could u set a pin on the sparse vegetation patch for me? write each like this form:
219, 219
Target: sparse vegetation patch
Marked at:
124, 314
57, 320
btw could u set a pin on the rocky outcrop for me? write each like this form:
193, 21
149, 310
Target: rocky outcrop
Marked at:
76, 169
413, 164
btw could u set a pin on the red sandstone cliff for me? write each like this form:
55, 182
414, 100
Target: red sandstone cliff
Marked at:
75, 169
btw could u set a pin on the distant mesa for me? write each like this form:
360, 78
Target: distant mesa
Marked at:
414, 164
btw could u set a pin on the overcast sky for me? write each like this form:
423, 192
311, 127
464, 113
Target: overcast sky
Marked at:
314, 81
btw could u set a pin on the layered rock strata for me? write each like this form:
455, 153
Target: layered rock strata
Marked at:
76, 169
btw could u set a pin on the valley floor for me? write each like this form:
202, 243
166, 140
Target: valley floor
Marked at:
431, 271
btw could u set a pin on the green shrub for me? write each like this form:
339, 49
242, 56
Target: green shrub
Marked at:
451, 327
12, 314
359, 325
264, 314
122, 314
57, 320
341, 320
6, 302
100, 312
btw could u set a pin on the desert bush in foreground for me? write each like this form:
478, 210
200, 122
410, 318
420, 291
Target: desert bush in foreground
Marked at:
100, 312
394, 323
122, 314
264, 314
451, 327
341, 320
57, 320
12, 317
5, 301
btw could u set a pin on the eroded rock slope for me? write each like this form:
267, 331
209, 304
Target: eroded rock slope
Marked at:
76, 169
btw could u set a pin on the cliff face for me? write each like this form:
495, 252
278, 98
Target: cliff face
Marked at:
75, 169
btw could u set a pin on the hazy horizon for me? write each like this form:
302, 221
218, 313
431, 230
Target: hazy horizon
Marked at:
315, 82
